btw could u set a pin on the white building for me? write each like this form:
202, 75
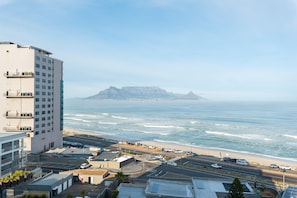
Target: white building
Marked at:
31, 95
12, 152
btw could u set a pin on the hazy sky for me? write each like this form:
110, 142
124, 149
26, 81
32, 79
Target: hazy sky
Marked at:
219, 49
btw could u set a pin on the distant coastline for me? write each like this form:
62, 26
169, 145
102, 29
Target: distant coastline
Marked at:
143, 93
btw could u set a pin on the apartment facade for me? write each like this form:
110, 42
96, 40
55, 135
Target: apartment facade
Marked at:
31, 95
11, 152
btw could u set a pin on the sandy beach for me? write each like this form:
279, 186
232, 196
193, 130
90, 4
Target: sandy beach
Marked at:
252, 158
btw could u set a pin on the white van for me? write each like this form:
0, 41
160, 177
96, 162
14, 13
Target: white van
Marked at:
242, 162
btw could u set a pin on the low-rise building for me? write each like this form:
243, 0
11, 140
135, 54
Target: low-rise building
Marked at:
110, 160
50, 185
91, 176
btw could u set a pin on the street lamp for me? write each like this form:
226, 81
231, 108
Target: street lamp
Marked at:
284, 171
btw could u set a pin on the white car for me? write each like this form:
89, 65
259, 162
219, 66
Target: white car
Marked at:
242, 162
85, 165
216, 166
285, 167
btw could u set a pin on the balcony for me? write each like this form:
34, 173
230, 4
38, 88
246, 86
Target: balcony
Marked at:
17, 115
19, 74
17, 94
18, 129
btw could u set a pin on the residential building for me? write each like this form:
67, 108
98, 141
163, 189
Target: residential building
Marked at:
12, 152
31, 95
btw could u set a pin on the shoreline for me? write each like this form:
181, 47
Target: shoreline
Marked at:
252, 158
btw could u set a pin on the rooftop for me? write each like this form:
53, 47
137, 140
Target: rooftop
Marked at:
290, 192
122, 158
170, 188
87, 172
130, 190
4, 136
49, 180
212, 187
26, 46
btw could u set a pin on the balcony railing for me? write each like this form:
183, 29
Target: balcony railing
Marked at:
18, 129
18, 94
19, 74
17, 115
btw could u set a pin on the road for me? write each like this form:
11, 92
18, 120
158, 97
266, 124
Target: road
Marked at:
199, 166
251, 171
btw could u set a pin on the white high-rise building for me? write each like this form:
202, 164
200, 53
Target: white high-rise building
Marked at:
31, 100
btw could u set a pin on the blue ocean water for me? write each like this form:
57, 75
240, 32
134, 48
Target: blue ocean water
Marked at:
267, 128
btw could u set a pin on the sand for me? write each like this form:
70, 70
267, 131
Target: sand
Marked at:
252, 158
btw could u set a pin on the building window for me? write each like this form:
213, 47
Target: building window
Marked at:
44, 60
36, 132
37, 73
37, 58
49, 61
37, 66
43, 67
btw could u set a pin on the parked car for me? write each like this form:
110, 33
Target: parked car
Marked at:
216, 166
285, 167
242, 162
85, 165
228, 159
172, 163
273, 166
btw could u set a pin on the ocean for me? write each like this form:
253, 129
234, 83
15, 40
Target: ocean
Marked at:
265, 128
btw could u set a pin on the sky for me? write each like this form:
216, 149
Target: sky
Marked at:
219, 49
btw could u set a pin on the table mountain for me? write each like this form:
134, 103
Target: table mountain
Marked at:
141, 93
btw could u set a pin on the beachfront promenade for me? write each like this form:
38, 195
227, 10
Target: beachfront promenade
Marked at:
257, 171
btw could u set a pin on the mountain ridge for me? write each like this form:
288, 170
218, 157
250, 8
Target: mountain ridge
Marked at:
144, 93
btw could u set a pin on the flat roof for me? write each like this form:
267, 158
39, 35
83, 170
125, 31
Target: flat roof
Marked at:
122, 158
26, 46
4, 136
290, 192
49, 180
106, 156
170, 188
131, 190
210, 187
99, 172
